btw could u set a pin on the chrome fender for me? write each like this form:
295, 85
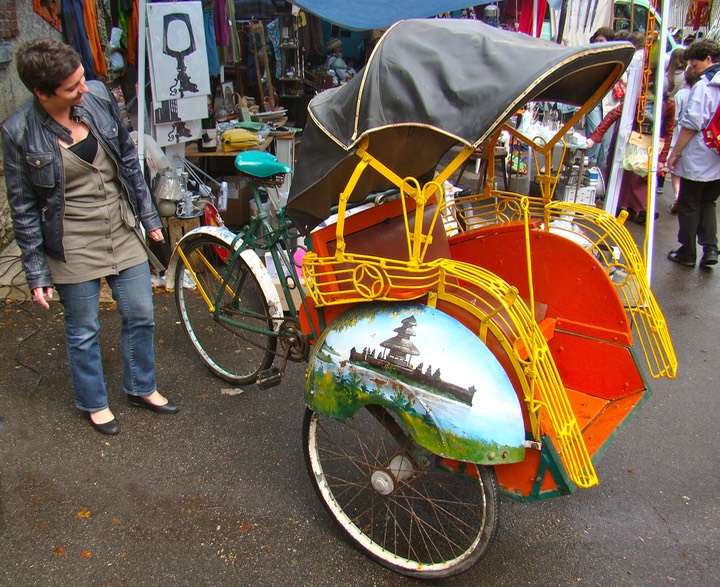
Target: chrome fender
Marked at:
256, 265
446, 386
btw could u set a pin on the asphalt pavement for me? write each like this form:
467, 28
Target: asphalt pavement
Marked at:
219, 494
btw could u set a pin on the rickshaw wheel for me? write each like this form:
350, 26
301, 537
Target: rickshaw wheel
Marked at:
231, 352
394, 500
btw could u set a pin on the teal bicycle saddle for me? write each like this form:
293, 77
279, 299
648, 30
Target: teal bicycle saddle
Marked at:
260, 164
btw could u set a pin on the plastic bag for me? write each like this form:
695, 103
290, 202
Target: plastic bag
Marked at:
636, 160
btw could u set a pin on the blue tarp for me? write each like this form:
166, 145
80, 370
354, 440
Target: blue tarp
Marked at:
379, 14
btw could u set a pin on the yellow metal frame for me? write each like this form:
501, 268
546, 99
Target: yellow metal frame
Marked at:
346, 278
607, 239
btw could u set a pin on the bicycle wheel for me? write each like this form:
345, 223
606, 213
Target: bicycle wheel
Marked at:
231, 350
397, 502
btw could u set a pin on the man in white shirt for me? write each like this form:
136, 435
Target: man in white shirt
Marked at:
695, 163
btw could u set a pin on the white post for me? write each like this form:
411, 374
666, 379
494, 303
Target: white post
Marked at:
657, 127
141, 82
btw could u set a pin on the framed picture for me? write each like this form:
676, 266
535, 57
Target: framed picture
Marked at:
168, 111
177, 50
228, 95
181, 131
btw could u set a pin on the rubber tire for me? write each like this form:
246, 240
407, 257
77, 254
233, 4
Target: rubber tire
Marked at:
366, 517
230, 352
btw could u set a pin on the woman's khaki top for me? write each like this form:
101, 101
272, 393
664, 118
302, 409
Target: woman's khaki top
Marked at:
99, 235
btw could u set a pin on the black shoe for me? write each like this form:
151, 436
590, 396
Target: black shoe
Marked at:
641, 217
709, 258
631, 214
110, 428
140, 402
675, 258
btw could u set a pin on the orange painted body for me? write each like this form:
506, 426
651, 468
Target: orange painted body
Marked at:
577, 308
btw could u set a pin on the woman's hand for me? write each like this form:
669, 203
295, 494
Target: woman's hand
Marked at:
40, 293
156, 235
590, 143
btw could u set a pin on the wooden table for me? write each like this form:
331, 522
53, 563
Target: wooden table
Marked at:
191, 149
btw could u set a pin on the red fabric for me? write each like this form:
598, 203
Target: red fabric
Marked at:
666, 128
526, 13
91, 28
133, 33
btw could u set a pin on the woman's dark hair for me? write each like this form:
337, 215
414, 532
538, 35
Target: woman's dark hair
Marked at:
603, 31
677, 62
622, 35
43, 64
637, 39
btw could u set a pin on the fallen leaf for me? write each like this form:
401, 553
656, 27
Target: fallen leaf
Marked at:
86, 554
83, 514
244, 527
202, 395
59, 551
117, 521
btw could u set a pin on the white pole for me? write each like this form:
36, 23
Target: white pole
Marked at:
534, 17
657, 126
141, 82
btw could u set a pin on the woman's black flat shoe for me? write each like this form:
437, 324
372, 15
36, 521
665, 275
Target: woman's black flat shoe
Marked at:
110, 428
140, 402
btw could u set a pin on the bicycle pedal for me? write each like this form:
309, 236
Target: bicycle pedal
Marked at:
269, 378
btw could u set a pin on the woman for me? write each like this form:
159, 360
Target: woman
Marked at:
633, 188
674, 74
76, 191
598, 153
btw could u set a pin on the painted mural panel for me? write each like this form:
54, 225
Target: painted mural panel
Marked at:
430, 369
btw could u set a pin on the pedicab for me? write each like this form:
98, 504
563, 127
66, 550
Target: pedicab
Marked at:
459, 346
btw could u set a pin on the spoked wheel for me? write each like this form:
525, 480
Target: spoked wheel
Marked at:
234, 353
400, 506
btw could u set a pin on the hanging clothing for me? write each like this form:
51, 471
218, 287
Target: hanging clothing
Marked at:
230, 52
76, 36
235, 53
104, 27
310, 34
222, 25
133, 33
526, 16
210, 44
272, 31
94, 41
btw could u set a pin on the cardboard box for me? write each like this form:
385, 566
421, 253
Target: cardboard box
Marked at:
239, 196
584, 195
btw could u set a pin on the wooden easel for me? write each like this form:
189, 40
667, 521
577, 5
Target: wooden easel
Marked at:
259, 48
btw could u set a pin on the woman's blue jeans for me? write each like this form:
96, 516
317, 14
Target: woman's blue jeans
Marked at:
132, 291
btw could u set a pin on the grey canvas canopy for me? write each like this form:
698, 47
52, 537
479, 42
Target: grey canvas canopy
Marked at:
428, 85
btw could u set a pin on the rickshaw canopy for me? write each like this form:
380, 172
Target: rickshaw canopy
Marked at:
428, 85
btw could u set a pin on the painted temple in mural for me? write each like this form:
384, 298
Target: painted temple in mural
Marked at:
396, 355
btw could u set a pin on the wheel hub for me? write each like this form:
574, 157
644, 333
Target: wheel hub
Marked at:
385, 480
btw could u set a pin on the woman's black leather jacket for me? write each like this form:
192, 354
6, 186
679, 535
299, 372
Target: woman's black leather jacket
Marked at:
35, 178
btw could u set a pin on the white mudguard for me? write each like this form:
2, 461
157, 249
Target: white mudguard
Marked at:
256, 265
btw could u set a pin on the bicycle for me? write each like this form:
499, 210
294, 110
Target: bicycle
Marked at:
229, 306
